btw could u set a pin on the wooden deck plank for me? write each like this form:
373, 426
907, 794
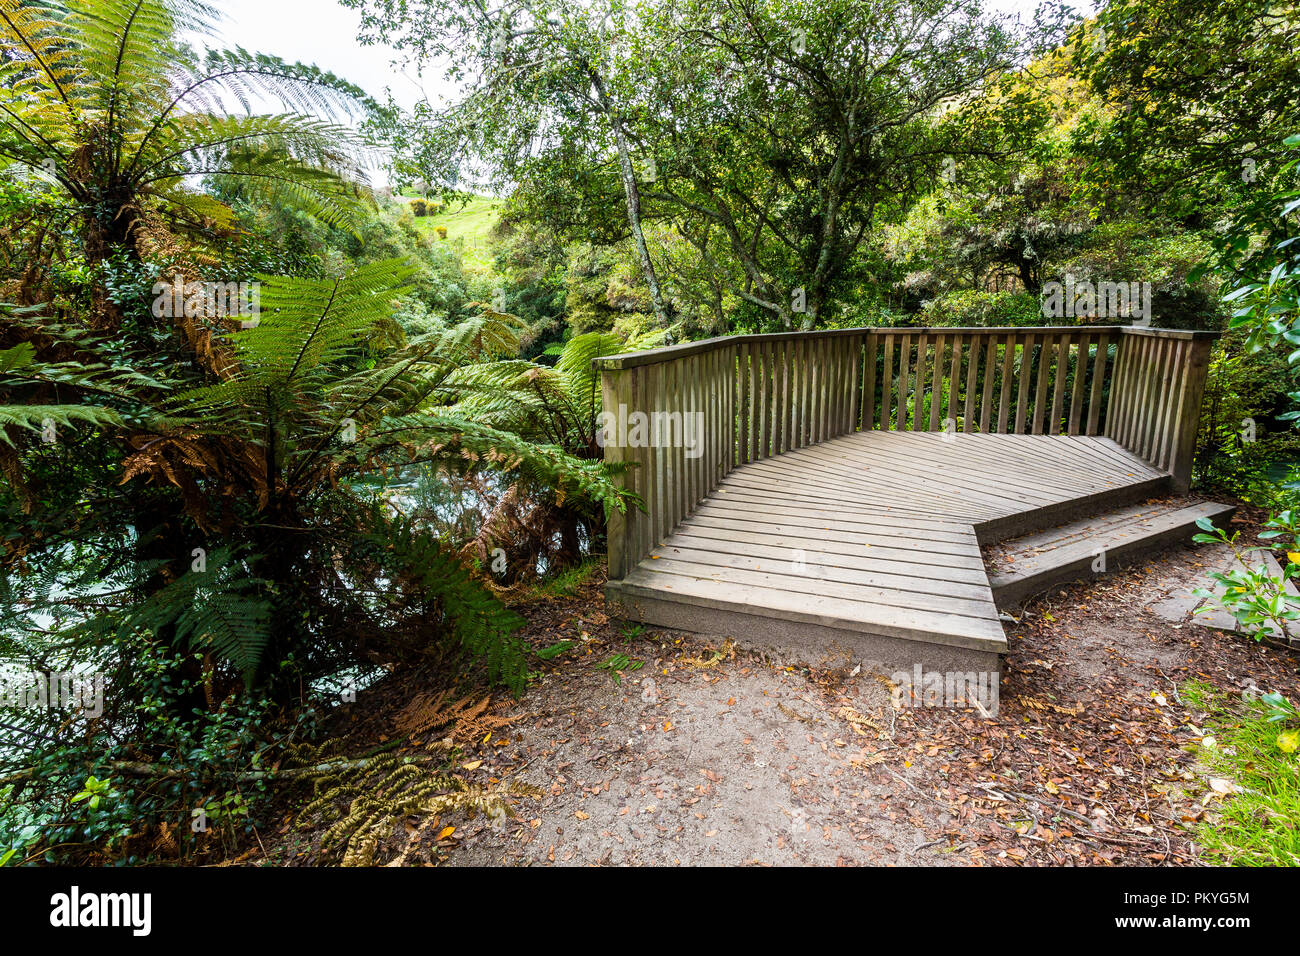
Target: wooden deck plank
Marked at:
898, 542
940, 594
826, 520
886, 619
829, 554
874, 532
996, 459
878, 474
763, 495
864, 481
810, 587
930, 458
881, 549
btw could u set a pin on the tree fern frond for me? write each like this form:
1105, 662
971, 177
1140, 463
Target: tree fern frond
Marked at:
480, 622
438, 433
303, 324
219, 608
37, 418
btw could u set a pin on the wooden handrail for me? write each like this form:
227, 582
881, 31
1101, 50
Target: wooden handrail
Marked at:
686, 415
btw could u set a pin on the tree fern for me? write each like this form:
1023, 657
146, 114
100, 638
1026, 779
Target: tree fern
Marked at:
483, 626
159, 118
218, 607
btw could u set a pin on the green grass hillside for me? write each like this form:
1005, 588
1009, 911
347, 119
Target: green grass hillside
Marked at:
469, 225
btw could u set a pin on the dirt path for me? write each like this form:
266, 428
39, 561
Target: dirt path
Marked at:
709, 755
735, 763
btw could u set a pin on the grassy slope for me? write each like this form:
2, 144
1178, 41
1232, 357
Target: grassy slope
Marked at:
470, 224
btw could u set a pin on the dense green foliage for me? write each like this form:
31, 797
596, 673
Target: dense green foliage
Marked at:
198, 507
229, 501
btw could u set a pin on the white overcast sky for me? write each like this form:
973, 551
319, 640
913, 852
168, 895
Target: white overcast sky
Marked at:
324, 33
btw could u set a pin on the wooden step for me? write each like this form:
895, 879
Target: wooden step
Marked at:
1081, 508
1027, 565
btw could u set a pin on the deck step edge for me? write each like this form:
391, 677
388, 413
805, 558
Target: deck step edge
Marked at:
1075, 561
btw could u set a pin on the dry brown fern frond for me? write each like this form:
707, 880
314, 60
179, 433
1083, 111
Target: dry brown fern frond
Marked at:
469, 718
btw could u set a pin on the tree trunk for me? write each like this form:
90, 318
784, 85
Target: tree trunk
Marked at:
633, 193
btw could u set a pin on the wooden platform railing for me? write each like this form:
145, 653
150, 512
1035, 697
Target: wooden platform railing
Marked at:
684, 416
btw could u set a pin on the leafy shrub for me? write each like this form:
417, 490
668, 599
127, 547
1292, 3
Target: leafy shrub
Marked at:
972, 307
1260, 602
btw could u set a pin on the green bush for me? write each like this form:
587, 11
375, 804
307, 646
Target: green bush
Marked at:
976, 308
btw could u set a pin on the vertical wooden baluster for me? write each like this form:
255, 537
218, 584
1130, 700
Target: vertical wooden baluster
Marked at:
849, 350
1152, 399
694, 371
918, 388
724, 385
852, 349
1188, 408
959, 343
769, 391
830, 386
791, 381
1161, 398
839, 373
658, 461
1022, 394
817, 405
1115, 405
676, 403
710, 423
759, 371
1141, 389
887, 384
1004, 398
936, 384
1040, 393
1096, 395
727, 391
809, 392
785, 354
904, 381
1053, 427
727, 387
809, 404
772, 422
749, 362
772, 372
680, 378
803, 387
1169, 413
870, 346
742, 402
755, 401
990, 370
707, 397
733, 407
671, 404
1171, 387
974, 346
1149, 370
1078, 381
1123, 385
611, 382
636, 454
765, 401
